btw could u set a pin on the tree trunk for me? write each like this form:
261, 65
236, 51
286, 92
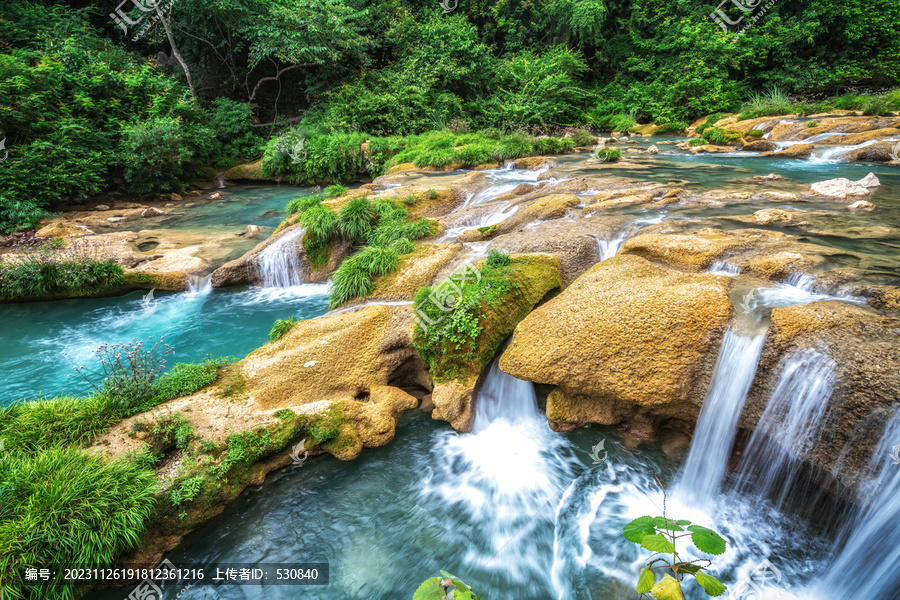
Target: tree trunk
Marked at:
175, 52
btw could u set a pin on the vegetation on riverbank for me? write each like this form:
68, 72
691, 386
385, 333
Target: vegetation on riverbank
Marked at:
86, 112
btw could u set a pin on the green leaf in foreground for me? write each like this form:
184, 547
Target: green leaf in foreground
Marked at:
645, 581
710, 584
456, 581
657, 543
430, 590
663, 523
637, 529
707, 540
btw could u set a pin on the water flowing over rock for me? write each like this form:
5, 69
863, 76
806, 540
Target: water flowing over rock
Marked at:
278, 264
628, 336
716, 429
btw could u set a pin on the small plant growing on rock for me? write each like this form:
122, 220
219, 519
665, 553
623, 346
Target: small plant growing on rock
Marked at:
659, 535
281, 327
606, 155
812, 124
333, 191
127, 372
439, 588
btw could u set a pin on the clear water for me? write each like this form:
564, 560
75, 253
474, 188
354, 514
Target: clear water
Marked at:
41, 342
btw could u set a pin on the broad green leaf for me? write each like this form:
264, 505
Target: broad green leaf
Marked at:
456, 581
707, 540
710, 584
663, 523
468, 595
645, 581
637, 529
430, 590
683, 522
667, 588
657, 543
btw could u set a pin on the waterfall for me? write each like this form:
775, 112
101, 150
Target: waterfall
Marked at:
607, 248
504, 480
723, 267
200, 284
717, 424
278, 264
788, 427
866, 566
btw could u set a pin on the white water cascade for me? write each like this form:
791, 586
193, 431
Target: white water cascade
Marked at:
788, 427
505, 478
717, 424
278, 264
200, 284
866, 566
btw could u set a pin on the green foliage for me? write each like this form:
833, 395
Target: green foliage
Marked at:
356, 218
716, 135
607, 155
445, 586
610, 122
327, 426
300, 205
431, 194
674, 127
281, 327
317, 251
234, 131
66, 506
392, 231
812, 124
355, 278
755, 133
66, 421
710, 121
186, 378
333, 191
320, 222
696, 142
498, 258
660, 535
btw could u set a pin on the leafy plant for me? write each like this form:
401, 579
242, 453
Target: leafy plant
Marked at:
187, 378
607, 155
333, 191
812, 124
127, 372
660, 535
498, 258
281, 327
300, 205
320, 222
356, 218
444, 587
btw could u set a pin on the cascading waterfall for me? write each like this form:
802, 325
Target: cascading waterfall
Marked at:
505, 479
717, 424
200, 284
866, 566
278, 264
723, 267
608, 248
788, 426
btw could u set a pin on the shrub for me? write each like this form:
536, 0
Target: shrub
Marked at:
281, 327
616, 122
355, 277
674, 127
386, 234
812, 124
716, 135
696, 142
583, 138
431, 194
64, 506
608, 155
234, 130
127, 371
356, 218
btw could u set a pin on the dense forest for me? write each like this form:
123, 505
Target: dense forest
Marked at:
145, 98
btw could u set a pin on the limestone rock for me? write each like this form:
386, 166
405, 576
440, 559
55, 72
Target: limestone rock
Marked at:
653, 150
861, 205
694, 251
152, 212
767, 216
760, 146
769, 177
533, 163
792, 151
626, 337
101, 207
842, 187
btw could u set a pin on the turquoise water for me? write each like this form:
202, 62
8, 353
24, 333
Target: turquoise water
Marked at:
41, 342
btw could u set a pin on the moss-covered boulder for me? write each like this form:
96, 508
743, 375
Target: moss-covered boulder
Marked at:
416, 269
628, 340
459, 343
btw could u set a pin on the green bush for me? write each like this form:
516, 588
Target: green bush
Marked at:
386, 234
333, 191
607, 122
186, 378
62, 421
320, 222
716, 135
674, 127
281, 327
355, 277
356, 219
234, 131
64, 506
608, 155
299, 205
696, 142
812, 124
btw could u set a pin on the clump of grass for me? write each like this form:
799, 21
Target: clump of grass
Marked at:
64, 506
674, 127
615, 122
320, 222
387, 210
498, 258
356, 218
384, 235
281, 327
355, 278
402, 246
755, 133
300, 205
717, 135
696, 142
187, 378
812, 124
710, 121
431, 194
583, 138
64, 420
773, 101
608, 155
333, 191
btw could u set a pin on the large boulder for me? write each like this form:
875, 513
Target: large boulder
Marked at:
627, 341
865, 347
878, 152
696, 250
340, 357
792, 151
842, 187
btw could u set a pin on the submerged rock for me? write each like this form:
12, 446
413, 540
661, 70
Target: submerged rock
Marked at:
627, 337
842, 187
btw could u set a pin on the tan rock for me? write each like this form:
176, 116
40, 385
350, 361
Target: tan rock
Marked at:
760, 146
416, 270
626, 337
695, 251
861, 205
533, 163
767, 216
792, 151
